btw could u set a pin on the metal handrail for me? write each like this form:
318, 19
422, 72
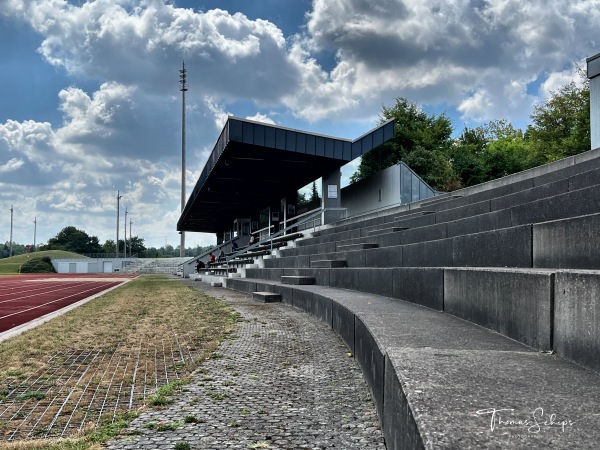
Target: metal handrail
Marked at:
308, 216
313, 215
107, 256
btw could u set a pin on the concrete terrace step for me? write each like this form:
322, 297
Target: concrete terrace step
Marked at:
361, 246
156, 265
386, 230
504, 195
564, 206
297, 279
266, 297
328, 263
441, 382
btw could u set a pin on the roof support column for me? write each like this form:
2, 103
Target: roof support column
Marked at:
289, 207
593, 73
331, 201
274, 216
254, 222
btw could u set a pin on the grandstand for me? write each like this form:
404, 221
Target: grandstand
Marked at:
486, 300
473, 315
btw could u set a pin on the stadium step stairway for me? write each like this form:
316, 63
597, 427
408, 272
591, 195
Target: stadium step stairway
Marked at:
155, 265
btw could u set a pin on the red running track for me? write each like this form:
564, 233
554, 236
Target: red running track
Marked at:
26, 297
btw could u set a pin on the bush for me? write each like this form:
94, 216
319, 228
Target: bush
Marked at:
38, 265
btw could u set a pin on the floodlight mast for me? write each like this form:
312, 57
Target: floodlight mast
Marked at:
125, 235
130, 242
11, 230
34, 231
183, 89
119, 197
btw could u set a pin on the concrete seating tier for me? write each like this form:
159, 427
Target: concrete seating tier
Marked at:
502, 212
222, 271
442, 382
564, 243
584, 201
278, 241
155, 265
266, 297
574, 173
578, 176
514, 302
255, 253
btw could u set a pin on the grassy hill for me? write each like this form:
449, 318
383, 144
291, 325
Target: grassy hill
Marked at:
10, 266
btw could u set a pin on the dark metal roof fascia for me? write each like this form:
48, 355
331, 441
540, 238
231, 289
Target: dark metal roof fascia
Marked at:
593, 66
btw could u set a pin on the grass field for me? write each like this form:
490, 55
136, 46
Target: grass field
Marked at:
10, 266
144, 312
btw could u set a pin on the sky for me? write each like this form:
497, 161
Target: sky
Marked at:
90, 102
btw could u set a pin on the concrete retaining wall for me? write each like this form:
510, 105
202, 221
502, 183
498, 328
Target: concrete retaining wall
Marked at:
529, 195
398, 421
583, 180
427, 254
515, 304
576, 313
476, 224
508, 247
572, 204
569, 243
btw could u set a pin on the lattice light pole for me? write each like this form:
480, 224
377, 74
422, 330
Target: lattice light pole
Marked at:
183, 89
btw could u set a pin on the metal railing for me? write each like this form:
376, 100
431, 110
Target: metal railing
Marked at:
309, 216
312, 217
108, 256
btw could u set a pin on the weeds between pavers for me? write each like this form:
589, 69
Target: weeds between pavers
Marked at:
164, 393
152, 324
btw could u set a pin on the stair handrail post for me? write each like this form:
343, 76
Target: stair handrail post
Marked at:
309, 216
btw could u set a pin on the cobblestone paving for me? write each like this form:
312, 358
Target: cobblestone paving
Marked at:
283, 381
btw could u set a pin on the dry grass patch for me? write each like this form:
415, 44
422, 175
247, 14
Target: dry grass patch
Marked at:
106, 358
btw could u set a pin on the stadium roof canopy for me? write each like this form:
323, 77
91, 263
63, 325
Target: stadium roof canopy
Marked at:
254, 163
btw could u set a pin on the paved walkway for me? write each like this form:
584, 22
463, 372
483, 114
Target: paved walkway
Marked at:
284, 380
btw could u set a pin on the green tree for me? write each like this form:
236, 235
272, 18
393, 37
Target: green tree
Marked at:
314, 193
506, 152
561, 124
17, 249
135, 246
466, 156
434, 167
491, 151
302, 199
414, 131
109, 247
73, 240
505, 156
38, 265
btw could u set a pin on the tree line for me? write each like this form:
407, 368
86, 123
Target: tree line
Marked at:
71, 239
560, 127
